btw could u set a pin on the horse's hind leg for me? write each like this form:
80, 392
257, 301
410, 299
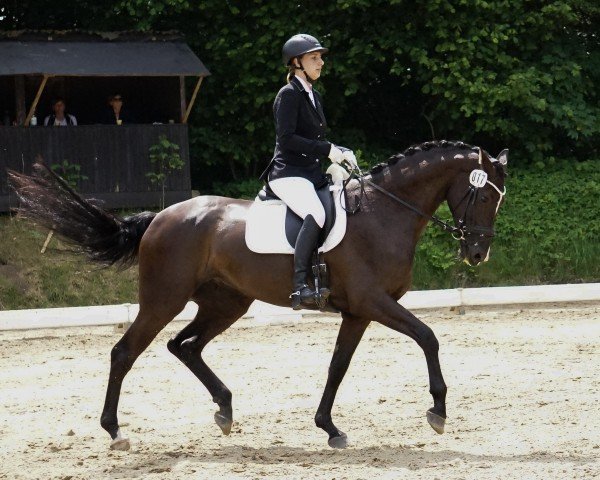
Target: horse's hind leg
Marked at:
218, 309
148, 323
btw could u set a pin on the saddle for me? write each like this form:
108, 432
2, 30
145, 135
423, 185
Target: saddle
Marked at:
293, 222
273, 228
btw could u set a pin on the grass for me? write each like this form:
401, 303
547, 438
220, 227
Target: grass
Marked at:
57, 278
547, 233
514, 263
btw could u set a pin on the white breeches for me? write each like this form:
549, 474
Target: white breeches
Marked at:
299, 194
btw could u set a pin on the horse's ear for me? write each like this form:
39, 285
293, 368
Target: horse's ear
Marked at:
484, 158
503, 157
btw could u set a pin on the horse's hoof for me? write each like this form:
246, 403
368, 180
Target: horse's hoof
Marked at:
436, 422
224, 423
340, 441
122, 444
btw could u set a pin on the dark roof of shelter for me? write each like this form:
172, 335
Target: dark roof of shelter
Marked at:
90, 36
65, 57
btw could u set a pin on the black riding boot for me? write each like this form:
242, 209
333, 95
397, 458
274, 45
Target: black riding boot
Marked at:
306, 243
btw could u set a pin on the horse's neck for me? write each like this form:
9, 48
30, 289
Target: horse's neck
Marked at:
422, 179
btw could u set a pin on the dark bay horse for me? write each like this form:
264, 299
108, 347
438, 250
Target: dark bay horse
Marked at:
195, 250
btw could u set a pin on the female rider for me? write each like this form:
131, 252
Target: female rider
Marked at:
295, 170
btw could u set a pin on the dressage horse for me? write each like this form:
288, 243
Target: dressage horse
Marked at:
195, 250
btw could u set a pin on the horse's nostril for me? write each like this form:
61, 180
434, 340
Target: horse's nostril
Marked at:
477, 257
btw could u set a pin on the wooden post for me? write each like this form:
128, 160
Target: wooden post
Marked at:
36, 100
182, 98
48, 238
191, 104
20, 99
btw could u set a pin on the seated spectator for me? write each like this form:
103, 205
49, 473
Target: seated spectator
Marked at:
59, 118
116, 114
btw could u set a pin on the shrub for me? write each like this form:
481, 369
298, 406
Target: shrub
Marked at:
547, 232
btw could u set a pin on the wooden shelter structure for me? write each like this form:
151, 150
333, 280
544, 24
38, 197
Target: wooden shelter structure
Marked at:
149, 72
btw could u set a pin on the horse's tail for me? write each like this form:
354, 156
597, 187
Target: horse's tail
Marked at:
49, 201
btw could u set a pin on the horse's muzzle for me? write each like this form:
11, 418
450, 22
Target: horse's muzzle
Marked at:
475, 253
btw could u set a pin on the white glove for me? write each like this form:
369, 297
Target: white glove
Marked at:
338, 173
335, 154
350, 158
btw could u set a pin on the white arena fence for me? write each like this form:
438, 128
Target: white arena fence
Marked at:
265, 314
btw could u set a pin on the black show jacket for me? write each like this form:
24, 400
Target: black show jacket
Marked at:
300, 128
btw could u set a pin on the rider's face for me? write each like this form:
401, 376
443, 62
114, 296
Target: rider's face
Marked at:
312, 63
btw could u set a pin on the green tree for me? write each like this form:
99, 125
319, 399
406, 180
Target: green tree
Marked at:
498, 73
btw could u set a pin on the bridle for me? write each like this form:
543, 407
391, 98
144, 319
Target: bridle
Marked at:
477, 179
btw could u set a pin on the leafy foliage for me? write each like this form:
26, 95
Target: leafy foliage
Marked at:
516, 74
70, 172
247, 189
165, 158
547, 232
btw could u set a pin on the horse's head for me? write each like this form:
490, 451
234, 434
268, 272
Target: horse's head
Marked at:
474, 199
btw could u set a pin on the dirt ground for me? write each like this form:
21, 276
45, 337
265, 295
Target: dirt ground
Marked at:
523, 402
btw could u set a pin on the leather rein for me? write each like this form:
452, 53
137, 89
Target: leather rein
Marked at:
460, 232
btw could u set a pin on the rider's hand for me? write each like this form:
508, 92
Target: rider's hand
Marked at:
350, 158
338, 173
335, 154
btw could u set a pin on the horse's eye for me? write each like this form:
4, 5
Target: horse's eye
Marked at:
484, 198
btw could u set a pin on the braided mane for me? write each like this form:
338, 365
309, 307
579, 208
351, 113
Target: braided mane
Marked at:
421, 148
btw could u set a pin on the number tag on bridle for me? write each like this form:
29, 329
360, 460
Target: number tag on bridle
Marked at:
478, 178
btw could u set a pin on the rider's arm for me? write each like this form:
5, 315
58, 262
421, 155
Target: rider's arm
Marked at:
286, 117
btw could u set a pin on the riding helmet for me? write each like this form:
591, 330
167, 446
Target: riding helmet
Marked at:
299, 45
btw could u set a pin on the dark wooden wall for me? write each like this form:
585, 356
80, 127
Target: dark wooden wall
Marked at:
115, 160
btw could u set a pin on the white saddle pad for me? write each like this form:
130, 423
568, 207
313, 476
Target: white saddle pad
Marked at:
265, 226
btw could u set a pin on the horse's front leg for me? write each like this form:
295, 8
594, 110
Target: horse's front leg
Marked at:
351, 331
390, 313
